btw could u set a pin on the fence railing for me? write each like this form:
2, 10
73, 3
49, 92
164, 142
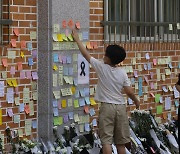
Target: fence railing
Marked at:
119, 31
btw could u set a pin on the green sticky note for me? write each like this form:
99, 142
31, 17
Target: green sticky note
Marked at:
58, 121
157, 98
159, 109
76, 103
70, 37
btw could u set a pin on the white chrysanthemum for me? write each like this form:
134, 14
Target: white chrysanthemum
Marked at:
66, 127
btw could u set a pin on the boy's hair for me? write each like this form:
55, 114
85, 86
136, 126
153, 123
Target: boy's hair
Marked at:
115, 53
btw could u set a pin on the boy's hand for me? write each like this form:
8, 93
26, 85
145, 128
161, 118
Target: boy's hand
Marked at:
75, 35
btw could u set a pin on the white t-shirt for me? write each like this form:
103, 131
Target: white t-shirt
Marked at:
111, 81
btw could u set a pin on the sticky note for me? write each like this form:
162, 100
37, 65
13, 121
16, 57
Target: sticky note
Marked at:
33, 35
71, 23
16, 31
55, 112
64, 24
92, 112
10, 112
22, 54
12, 70
58, 121
76, 118
34, 124
56, 28
59, 37
87, 100
16, 118
13, 43
147, 56
92, 101
27, 109
154, 62
23, 44
34, 75
159, 109
4, 62
69, 102
81, 102
29, 46
87, 127
30, 61
78, 25
64, 37
63, 103
76, 103
94, 122
11, 54
71, 115
55, 103
65, 118
85, 35
157, 98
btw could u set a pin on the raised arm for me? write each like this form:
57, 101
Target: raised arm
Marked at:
128, 90
82, 49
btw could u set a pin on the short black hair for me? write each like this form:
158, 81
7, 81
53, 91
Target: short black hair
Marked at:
115, 53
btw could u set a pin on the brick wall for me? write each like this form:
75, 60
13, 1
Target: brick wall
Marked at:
136, 58
24, 16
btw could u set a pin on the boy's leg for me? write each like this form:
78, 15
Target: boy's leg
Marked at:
107, 149
121, 148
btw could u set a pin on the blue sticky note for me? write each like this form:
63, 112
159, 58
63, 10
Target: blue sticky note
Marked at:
34, 124
65, 71
85, 35
92, 112
70, 71
145, 67
132, 81
21, 107
94, 122
55, 112
71, 115
87, 127
86, 91
81, 102
55, 58
140, 90
30, 61
55, 103
77, 94
82, 93
149, 66
29, 46
69, 59
176, 103
87, 100
170, 65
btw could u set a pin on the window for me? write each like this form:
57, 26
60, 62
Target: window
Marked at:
142, 20
4, 21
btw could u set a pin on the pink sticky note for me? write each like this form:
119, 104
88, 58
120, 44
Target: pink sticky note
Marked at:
152, 94
23, 44
4, 62
13, 42
12, 70
78, 25
67, 32
28, 75
146, 79
64, 25
16, 31
60, 58
19, 66
34, 75
27, 109
151, 74
59, 105
152, 85
154, 61
135, 74
16, 91
10, 112
71, 23
22, 75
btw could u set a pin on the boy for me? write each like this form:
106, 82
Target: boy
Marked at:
113, 121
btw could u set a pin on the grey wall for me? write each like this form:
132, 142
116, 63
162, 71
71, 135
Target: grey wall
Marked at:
53, 12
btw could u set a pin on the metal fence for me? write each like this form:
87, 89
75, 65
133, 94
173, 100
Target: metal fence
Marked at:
4, 22
141, 21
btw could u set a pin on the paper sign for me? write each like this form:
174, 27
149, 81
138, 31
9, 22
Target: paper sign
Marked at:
28, 124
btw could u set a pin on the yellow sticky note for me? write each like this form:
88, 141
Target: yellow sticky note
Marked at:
55, 67
76, 103
70, 37
92, 101
73, 89
9, 82
0, 116
59, 37
14, 82
64, 37
22, 54
63, 103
